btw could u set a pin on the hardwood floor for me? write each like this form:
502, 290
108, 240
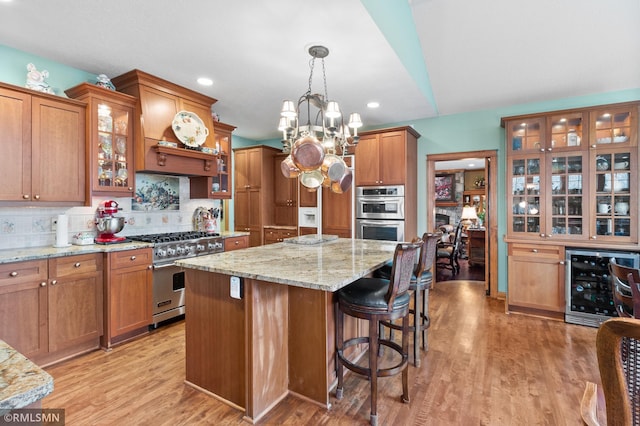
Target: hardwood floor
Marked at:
483, 367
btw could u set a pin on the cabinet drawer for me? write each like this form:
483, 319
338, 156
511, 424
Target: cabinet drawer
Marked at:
128, 258
71, 265
236, 243
537, 251
21, 272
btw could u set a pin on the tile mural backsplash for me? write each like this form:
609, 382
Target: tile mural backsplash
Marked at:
32, 226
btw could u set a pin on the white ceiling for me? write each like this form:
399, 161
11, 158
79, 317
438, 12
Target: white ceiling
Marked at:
418, 58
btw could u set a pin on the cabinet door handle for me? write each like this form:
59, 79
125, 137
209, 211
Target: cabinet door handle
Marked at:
130, 188
43, 284
549, 149
54, 282
132, 258
13, 274
541, 149
561, 262
37, 197
542, 235
237, 242
534, 250
593, 237
150, 267
594, 146
25, 197
77, 265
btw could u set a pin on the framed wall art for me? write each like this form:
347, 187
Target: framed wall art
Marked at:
445, 189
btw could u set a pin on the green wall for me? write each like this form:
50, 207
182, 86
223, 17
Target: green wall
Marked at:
472, 131
13, 70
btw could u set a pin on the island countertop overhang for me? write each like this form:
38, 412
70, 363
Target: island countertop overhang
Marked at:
326, 266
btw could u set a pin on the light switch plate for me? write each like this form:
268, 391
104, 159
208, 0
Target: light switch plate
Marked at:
236, 288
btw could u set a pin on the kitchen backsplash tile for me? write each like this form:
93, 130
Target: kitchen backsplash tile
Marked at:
32, 226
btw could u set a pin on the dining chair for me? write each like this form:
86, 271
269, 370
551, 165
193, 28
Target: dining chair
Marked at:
618, 352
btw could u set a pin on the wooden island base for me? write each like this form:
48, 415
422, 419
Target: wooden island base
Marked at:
278, 338
252, 352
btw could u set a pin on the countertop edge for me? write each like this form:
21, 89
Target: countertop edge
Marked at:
27, 382
48, 252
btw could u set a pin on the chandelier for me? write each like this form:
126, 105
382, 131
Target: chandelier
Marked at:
315, 136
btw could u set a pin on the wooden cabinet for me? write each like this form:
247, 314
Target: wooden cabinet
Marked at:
75, 301
285, 196
337, 210
389, 157
536, 279
571, 179
476, 246
386, 157
564, 165
43, 142
23, 307
254, 187
51, 310
278, 235
219, 185
236, 243
128, 295
109, 140
158, 103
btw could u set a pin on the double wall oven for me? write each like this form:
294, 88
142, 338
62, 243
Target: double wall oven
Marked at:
380, 213
168, 279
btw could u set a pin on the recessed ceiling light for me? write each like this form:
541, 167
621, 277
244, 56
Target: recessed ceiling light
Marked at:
205, 81
373, 104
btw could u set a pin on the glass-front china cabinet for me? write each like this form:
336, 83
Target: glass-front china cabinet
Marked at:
572, 175
109, 138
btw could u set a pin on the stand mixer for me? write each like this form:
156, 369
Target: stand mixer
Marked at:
108, 224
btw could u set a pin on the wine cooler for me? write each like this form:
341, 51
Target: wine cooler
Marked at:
588, 284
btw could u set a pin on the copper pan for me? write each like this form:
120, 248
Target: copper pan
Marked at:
311, 179
343, 184
289, 170
333, 167
307, 153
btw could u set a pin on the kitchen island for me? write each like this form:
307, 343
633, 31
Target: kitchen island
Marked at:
277, 335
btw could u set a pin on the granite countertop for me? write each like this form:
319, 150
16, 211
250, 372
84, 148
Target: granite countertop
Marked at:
46, 252
326, 266
21, 381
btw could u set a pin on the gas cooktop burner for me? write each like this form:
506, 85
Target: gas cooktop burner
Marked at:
172, 236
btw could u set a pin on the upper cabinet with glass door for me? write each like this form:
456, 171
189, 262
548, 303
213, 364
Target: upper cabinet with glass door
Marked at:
614, 126
572, 175
526, 135
110, 139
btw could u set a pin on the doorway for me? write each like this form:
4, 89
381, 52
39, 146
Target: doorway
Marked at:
490, 206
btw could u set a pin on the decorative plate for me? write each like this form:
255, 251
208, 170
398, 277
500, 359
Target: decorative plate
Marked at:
189, 129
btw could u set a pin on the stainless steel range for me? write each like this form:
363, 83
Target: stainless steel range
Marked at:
168, 279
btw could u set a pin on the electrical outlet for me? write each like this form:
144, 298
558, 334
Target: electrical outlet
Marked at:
236, 288
54, 223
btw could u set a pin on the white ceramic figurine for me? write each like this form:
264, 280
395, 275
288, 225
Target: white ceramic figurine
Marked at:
36, 80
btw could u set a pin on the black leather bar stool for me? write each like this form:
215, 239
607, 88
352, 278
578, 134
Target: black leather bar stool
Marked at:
375, 300
420, 288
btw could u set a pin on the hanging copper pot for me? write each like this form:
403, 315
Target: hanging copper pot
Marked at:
289, 170
312, 179
343, 184
333, 167
307, 153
